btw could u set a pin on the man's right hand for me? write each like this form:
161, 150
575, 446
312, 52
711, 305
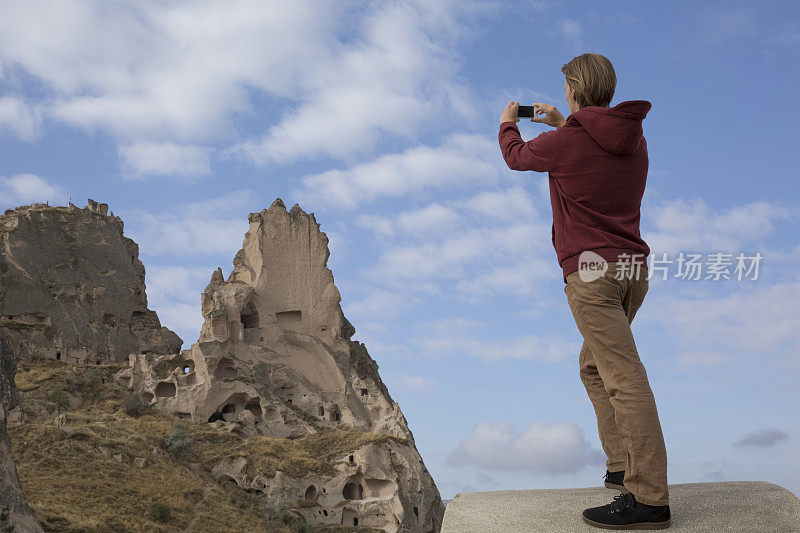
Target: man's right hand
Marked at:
553, 116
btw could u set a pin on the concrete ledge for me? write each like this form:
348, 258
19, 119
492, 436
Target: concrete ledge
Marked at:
729, 506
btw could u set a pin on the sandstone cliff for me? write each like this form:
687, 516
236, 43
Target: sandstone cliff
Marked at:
72, 287
275, 358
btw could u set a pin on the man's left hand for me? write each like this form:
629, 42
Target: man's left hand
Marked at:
510, 113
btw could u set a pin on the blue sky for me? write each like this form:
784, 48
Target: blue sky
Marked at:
381, 118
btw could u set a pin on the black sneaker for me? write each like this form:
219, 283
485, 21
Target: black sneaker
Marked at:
613, 480
626, 513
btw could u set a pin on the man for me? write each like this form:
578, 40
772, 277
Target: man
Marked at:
597, 164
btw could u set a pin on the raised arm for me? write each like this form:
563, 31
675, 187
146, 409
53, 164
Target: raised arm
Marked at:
538, 154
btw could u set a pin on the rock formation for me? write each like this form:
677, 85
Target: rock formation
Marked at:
15, 515
275, 358
72, 287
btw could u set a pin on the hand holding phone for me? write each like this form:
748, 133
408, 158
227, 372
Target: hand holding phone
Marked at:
509, 114
553, 116
527, 111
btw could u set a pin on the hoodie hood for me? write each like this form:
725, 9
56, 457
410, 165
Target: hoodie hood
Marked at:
618, 129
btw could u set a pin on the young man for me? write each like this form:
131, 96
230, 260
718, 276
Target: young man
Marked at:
597, 164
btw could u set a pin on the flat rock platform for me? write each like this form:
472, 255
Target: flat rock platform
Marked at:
720, 507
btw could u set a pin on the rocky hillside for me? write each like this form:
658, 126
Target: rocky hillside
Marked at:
93, 458
275, 358
276, 418
72, 287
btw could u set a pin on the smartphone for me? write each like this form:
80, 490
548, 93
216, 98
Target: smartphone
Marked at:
528, 111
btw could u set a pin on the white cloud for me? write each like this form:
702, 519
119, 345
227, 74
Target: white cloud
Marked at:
459, 337
787, 38
19, 119
174, 293
409, 382
572, 31
163, 69
486, 207
210, 227
378, 224
720, 25
763, 438
757, 320
30, 188
474, 247
523, 278
543, 448
693, 226
461, 161
142, 159
433, 218
691, 360
459, 253
347, 74
380, 303
396, 78
485, 480
514, 203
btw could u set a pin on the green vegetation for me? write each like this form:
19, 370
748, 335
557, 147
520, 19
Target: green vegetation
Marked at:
160, 512
179, 442
133, 406
58, 400
261, 378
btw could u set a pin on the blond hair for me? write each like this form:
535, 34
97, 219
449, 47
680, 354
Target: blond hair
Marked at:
593, 78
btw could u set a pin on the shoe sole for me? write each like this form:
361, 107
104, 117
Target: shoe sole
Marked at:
638, 525
620, 488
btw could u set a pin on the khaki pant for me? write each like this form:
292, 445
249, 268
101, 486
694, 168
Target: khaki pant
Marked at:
616, 381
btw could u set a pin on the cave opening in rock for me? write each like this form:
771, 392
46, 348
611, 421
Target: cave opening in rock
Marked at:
311, 493
287, 392
349, 516
186, 366
249, 316
353, 491
165, 390
255, 408
286, 317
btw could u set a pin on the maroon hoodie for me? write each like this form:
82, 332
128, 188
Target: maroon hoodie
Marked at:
597, 163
